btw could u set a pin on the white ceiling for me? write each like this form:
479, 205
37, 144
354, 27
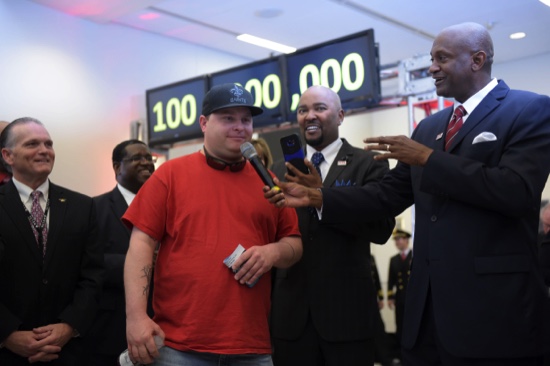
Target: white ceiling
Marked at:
403, 28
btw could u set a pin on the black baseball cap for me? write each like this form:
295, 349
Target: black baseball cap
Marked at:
227, 96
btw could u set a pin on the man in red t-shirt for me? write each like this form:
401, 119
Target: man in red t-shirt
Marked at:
201, 207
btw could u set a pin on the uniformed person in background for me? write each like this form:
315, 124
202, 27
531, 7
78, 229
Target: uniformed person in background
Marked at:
377, 283
381, 340
398, 278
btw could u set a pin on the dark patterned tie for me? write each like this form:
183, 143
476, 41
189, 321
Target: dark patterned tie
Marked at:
39, 227
454, 125
316, 160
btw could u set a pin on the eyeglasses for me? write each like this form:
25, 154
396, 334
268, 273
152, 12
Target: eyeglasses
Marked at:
219, 164
139, 158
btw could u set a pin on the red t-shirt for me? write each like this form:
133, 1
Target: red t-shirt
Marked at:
200, 215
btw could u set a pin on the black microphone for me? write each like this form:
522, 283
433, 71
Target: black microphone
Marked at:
249, 152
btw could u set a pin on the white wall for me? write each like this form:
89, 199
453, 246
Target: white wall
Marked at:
87, 82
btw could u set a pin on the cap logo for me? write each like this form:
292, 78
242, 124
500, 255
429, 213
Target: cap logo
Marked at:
237, 92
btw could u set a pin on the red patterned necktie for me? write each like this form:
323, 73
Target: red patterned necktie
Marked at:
454, 125
38, 223
403, 256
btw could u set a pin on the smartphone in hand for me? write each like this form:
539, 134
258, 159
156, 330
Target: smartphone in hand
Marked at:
293, 152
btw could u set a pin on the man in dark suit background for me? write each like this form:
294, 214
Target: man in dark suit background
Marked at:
50, 281
133, 164
324, 307
475, 294
398, 278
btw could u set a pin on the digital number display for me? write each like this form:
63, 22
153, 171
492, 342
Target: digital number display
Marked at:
173, 111
348, 65
263, 80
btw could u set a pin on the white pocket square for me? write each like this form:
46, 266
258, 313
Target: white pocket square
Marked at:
484, 137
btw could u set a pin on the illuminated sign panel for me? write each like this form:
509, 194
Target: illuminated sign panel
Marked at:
263, 80
348, 65
173, 111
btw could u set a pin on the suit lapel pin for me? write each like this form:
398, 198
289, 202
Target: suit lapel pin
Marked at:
438, 137
62, 200
342, 162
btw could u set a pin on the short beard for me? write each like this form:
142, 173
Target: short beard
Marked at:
315, 142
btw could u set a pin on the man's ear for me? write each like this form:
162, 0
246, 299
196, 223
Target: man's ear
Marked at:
478, 60
116, 168
6, 155
202, 122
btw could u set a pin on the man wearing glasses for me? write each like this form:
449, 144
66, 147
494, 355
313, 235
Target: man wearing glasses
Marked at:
133, 164
201, 207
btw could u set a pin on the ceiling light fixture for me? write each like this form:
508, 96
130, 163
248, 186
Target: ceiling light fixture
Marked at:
274, 46
545, 2
517, 35
149, 16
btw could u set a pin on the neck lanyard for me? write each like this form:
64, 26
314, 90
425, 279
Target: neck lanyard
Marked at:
42, 224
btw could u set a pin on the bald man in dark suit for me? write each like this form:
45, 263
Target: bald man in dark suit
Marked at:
476, 295
324, 307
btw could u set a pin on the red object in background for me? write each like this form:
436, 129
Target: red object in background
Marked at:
429, 106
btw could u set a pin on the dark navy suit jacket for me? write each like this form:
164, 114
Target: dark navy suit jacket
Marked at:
476, 221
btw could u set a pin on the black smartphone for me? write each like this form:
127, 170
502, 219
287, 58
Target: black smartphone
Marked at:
293, 152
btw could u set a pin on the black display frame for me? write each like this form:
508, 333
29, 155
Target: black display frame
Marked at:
324, 57
260, 80
197, 88
367, 96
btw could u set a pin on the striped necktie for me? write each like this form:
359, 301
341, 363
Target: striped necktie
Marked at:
454, 125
